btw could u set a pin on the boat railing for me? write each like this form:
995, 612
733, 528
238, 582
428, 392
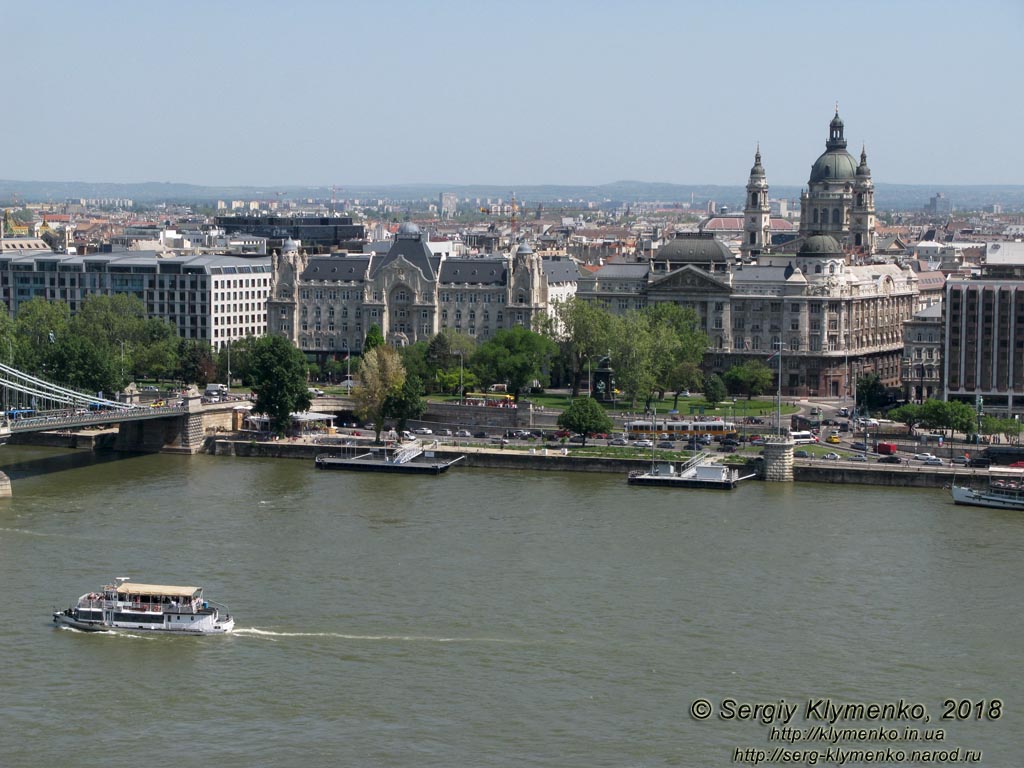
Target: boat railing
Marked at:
700, 458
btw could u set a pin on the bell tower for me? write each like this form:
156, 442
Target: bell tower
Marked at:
757, 213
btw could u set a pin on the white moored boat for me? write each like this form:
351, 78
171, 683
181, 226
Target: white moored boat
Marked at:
147, 608
1002, 493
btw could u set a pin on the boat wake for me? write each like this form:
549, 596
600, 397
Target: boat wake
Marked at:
271, 635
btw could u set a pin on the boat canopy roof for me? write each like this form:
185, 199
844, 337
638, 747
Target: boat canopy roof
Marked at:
131, 588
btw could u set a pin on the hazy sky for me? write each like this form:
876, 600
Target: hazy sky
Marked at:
509, 93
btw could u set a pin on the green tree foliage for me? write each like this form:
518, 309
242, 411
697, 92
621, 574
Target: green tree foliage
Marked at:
85, 364
750, 378
909, 414
37, 327
155, 355
195, 362
278, 374
649, 346
583, 332
374, 338
405, 402
685, 376
585, 416
871, 392
714, 389
515, 356
381, 374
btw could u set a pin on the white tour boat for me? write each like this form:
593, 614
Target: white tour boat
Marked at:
1003, 492
147, 608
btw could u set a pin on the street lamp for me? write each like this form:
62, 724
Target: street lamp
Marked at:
228, 390
460, 353
348, 366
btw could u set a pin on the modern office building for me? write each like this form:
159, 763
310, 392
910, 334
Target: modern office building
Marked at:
209, 297
984, 332
321, 234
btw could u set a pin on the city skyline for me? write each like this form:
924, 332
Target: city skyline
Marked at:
460, 93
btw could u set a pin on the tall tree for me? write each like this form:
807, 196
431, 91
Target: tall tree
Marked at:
381, 374
278, 374
870, 392
714, 390
195, 362
750, 378
583, 331
374, 338
405, 402
585, 416
516, 357
38, 326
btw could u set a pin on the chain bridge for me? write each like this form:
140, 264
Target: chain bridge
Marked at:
173, 422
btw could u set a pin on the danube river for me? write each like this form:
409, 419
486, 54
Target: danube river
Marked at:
499, 618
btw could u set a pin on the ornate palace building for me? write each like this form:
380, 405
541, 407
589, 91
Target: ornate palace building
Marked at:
835, 315
326, 304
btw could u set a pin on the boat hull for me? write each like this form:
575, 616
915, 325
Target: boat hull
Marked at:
972, 498
68, 619
682, 482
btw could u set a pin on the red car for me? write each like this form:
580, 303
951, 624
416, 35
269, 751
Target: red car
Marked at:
1017, 465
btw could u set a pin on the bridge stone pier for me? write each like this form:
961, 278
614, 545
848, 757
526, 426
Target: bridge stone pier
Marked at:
178, 433
778, 460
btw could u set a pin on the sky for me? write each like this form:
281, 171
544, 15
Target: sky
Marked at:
574, 92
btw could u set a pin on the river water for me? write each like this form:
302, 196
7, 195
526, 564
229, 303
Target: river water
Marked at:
489, 618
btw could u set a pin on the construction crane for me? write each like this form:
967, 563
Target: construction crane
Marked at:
513, 213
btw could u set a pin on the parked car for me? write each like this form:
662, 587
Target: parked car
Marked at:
666, 444
727, 448
463, 433
857, 457
859, 446
618, 441
961, 460
151, 388
890, 460
801, 455
844, 412
831, 456
423, 431
445, 432
935, 461
731, 441
980, 462
577, 439
315, 391
923, 457
643, 444
480, 434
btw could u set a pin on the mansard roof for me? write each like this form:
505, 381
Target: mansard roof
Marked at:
411, 245
560, 270
474, 271
340, 268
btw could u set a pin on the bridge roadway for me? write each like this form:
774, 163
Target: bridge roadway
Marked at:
68, 419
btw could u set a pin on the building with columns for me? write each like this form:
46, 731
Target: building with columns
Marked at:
834, 316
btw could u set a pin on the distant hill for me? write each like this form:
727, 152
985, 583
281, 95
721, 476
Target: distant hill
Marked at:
887, 196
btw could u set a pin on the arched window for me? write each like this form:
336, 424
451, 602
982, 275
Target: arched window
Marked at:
817, 269
857, 240
860, 198
831, 269
753, 238
753, 199
835, 216
815, 215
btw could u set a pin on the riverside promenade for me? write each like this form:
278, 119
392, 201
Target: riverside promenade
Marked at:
557, 459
